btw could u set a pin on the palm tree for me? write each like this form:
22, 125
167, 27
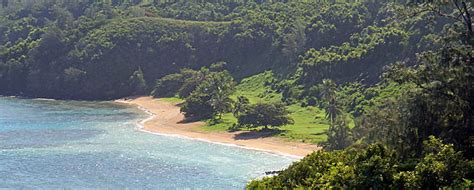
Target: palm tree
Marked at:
333, 109
221, 104
328, 94
328, 90
339, 135
240, 106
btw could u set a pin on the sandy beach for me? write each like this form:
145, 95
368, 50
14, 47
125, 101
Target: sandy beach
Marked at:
167, 119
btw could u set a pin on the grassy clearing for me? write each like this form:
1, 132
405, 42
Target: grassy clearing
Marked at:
227, 121
256, 90
310, 123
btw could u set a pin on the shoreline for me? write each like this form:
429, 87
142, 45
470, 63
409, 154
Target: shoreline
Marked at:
165, 119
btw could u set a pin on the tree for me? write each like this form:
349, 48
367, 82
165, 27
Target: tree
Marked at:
328, 90
218, 67
182, 83
374, 167
441, 166
45, 63
137, 82
462, 7
339, 135
440, 102
241, 105
211, 98
331, 103
264, 114
221, 103
220, 86
168, 85
196, 106
192, 80
384, 124
333, 110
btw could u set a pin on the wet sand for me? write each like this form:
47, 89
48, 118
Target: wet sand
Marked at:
165, 118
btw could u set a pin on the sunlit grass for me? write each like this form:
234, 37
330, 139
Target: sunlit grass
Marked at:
227, 121
255, 90
309, 122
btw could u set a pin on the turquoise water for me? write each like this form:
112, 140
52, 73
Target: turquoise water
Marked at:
70, 144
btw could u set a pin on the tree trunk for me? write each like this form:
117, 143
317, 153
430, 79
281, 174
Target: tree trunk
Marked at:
467, 18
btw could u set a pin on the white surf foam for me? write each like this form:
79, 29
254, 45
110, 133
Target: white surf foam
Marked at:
44, 99
140, 127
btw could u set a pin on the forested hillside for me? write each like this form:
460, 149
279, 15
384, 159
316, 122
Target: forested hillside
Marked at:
385, 87
84, 50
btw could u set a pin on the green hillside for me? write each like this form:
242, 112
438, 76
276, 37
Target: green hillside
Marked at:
386, 87
99, 46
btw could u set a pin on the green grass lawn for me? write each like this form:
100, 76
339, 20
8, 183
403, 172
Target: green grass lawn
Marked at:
227, 121
310, 123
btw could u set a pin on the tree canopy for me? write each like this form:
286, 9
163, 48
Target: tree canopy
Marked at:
394, 79
264, 114
412, 129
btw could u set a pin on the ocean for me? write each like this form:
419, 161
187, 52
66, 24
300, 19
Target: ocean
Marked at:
47, 144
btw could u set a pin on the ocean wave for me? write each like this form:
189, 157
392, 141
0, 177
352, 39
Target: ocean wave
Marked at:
44, 99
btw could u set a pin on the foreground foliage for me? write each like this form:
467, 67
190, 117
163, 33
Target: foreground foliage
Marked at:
419, 139
375, 167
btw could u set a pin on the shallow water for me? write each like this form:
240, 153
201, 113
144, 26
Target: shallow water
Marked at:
72, 144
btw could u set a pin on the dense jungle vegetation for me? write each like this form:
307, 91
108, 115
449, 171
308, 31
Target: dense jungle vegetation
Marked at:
90, 50
386, 87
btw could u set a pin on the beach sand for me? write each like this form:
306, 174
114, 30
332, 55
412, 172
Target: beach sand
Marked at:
168, 120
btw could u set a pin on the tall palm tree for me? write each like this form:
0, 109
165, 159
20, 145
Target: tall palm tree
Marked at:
328, 94
240, 106
339, 135
333, 109
328, 89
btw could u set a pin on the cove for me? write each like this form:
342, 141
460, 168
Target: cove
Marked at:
78, 144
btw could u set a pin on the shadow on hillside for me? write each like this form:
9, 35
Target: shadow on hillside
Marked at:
258, 134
